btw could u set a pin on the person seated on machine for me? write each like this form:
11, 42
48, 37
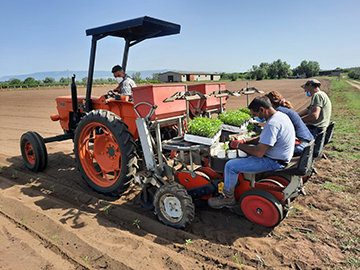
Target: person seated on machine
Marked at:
302, 133
272, 150
126, 84
317, 115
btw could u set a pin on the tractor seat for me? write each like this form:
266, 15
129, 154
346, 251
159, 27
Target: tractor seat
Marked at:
329, 132
301, 165
319, 145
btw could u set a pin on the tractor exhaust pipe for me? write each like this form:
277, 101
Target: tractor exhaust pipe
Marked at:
74, 95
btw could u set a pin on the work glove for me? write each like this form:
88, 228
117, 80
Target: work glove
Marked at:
234, 144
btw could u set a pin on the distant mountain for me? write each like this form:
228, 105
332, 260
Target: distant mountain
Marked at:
79, 74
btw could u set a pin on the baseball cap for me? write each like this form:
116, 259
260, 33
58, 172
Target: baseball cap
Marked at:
312, 82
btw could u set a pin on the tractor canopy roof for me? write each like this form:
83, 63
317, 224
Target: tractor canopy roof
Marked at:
136, 29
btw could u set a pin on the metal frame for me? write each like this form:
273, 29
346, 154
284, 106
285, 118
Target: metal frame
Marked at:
133, 31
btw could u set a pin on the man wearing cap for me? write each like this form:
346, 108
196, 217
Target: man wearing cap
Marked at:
317, 115
126, 84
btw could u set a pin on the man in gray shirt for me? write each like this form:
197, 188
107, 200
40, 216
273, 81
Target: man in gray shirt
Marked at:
126, 84
272, 150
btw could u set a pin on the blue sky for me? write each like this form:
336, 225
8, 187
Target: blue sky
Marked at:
216, 36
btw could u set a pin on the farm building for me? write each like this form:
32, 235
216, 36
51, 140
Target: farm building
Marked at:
334, 72
187, 76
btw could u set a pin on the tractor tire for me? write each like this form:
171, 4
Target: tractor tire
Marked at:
33, 151
174, 206
261, 207
105, 152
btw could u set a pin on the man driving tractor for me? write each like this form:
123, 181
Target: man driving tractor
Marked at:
126, 84
272, 150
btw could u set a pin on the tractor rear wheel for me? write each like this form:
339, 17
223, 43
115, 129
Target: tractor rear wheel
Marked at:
33, 151
105, 152
174, 206
261, 208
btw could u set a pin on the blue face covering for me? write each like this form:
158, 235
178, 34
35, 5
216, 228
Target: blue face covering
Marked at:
259, 120
308, 94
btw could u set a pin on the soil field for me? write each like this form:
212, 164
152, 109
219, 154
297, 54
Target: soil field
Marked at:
53, 220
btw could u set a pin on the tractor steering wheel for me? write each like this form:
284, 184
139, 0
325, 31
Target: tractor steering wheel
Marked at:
111, 94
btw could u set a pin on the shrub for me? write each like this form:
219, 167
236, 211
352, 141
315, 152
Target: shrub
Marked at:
354, 73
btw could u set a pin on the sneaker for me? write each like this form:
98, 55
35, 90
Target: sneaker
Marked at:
222, 201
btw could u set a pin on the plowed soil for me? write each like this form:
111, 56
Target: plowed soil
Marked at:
53, 220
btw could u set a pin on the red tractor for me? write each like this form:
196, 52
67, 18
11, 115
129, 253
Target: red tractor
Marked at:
116, 142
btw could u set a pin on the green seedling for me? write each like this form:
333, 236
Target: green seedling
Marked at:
136, 223
203, 126
245, 110
226, 146
86, 260
234, 118
54, 237
22, 222
106, 209
188, 241
76, 199
14, 176
1, 168
237, 260
31, 181
0, 207
52, 188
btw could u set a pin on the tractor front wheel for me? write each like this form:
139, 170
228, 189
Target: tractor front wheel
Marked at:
174, 206
105, 152
33, 151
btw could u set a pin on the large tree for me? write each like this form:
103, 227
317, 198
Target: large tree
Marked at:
30, 81
49, 80
14, 81
310, 69
279, 69
136, 76
64, 80
155, 76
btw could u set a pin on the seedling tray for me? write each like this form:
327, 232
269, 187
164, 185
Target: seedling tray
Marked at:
202, 140
234, 129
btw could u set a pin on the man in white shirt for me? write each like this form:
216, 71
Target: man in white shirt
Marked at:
125, 83
272, 150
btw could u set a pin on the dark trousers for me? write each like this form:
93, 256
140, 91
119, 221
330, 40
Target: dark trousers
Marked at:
315, 130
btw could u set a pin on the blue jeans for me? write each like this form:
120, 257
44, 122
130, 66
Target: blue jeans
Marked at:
251, 164
299, 148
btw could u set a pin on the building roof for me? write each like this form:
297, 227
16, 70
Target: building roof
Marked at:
191, 73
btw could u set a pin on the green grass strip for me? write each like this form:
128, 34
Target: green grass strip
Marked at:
346, 110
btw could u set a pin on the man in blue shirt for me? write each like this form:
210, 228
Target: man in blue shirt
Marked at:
302, 133
272, 150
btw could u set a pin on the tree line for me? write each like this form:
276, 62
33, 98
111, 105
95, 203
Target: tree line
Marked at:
48, 81
275, 70
279, 70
